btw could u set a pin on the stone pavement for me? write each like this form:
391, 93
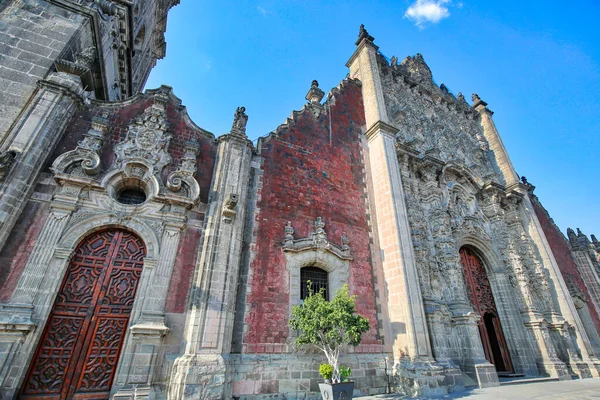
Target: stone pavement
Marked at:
581, 389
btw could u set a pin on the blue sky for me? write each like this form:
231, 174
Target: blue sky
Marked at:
536, 63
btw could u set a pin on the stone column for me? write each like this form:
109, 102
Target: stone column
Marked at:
35, 136
209, 325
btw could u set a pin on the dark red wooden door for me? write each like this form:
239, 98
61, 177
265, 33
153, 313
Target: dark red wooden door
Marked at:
482, 299
79, 349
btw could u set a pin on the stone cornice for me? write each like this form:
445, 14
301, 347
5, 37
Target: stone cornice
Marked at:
78, 100
363, 44
380, 126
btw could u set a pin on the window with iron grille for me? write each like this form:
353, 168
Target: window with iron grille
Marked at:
317, 277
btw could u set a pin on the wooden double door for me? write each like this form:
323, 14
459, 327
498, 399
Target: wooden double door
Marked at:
79, 349
482, 299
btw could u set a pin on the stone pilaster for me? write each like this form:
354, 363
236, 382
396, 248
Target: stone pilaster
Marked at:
363, 66
407, 316
558, 288
209, 325
474, 362
499, 154
33, 138
548, 363
27, 309
580, 251
153, 310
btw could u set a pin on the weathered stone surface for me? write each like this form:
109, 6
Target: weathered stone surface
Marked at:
392, 186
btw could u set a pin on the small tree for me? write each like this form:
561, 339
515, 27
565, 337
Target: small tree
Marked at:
331, 326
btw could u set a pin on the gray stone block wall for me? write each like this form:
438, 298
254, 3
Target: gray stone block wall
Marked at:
33, 34
296, 376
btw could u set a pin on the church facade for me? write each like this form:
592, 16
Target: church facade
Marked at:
144, 257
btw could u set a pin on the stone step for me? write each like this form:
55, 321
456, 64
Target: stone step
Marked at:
522, 381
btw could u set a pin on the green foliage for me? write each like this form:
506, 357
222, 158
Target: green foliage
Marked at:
345, 373
326, 371
329, 325
333, 323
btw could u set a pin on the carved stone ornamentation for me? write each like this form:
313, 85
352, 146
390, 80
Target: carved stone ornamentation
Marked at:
363, 34
289, 234
186, 171
315, 95
230, 207
317, 239
240, 119
6, 161
147, 139
87, 153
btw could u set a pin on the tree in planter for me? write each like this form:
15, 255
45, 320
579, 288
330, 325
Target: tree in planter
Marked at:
331, 326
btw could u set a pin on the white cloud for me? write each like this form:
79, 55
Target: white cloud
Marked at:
262, 10
427, 11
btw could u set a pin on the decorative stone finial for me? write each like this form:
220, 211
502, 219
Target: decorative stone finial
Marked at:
315, 95
444, 89
319, 235
572, 239
345, 242
524, 180
239, 121
363, 34
394, 61
289, 234
477, 100
461, 97
579, 233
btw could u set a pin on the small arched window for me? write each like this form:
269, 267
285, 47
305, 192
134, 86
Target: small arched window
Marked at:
317, 277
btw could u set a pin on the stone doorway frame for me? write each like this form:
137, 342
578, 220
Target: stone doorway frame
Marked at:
517, 340
142, 343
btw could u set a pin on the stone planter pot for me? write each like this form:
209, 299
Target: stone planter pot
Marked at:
337, 391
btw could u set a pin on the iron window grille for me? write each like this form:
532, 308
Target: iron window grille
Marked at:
318, 279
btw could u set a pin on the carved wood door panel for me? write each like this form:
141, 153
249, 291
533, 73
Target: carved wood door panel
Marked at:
482, 300
78, 352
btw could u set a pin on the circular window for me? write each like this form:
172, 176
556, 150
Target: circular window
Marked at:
131, 195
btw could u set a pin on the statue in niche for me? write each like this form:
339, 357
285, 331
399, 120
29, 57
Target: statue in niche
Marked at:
240, 119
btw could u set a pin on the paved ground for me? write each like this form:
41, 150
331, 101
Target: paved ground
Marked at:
581, 389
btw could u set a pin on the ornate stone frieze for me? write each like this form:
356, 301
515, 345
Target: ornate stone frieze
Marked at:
316, 240
147, 138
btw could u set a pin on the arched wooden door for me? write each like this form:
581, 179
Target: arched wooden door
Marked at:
79, 349
482, 299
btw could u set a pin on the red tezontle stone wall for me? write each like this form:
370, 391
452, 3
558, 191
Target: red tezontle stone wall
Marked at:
310, 172
15, 254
